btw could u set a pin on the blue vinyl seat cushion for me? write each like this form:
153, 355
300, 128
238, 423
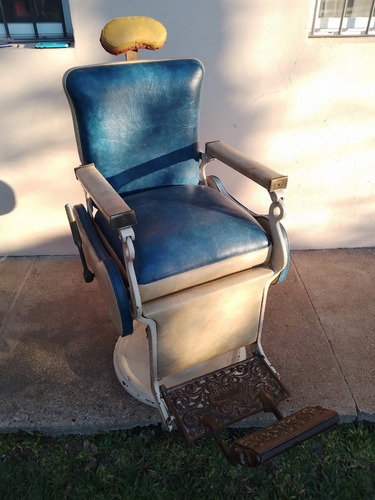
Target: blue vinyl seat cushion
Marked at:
184, 228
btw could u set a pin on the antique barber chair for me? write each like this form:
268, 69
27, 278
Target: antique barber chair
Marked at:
184, 268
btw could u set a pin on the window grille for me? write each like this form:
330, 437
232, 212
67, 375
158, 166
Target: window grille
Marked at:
35, 20
343, 18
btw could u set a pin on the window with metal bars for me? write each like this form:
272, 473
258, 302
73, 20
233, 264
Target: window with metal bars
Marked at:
343, 18
35, 20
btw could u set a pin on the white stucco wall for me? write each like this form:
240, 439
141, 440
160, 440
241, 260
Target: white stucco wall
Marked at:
303, 106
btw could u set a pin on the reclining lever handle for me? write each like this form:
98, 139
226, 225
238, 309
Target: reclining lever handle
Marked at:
87, 274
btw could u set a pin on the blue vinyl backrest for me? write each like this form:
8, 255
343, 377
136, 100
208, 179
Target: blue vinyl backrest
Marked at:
138, 121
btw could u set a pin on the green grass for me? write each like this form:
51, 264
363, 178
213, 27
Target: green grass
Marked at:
151, 464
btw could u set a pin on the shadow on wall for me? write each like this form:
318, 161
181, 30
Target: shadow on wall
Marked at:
8, 200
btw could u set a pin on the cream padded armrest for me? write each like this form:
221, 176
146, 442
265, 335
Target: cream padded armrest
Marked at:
107, 200
264, 176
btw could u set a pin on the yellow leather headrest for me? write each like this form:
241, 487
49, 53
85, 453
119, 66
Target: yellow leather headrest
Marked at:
130, 33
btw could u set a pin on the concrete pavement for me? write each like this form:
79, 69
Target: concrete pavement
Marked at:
56, 343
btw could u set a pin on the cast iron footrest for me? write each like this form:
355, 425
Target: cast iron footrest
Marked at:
224, 396
268, 442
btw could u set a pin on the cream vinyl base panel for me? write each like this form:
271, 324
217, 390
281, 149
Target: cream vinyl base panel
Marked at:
211, 328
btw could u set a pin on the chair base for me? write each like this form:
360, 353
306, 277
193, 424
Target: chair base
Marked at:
132, 367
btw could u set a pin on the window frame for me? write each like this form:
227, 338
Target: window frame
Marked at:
342, 26
36, 31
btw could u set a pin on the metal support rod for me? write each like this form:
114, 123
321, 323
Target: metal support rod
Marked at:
33, 16
131, 55
314, 17
215, 429
343, 15
4, 19
63, 23
270, 404
370, 16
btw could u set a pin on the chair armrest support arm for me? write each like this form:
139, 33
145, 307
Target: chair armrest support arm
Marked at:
117, 213
264, 176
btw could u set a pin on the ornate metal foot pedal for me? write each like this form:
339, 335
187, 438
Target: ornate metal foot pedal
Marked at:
261, 445
206, 405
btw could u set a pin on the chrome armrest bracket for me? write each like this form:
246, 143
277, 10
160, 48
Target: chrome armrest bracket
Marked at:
279, 245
